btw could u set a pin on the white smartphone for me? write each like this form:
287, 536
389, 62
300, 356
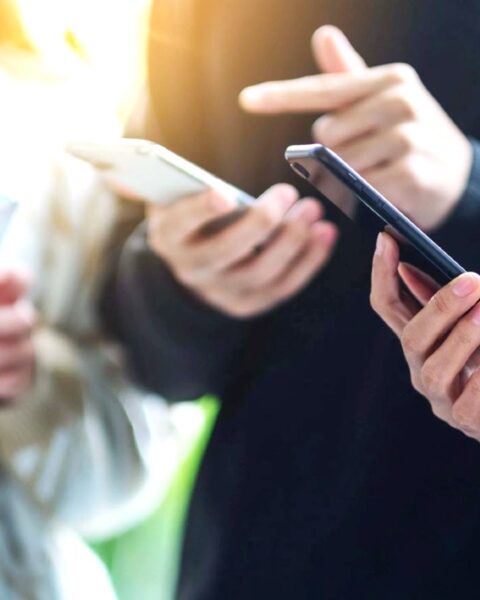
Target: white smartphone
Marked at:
152, 172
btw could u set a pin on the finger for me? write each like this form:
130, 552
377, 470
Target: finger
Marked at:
333, 52
380, 111
420, 285
466, 410
16, 320
372, 151
13, 285
123, 191
16, 382
385, 297
300, 273
307, 210
441, 371
180, 220
237, 242
259, 271
320, 93
437, 318
305, 267
15, 353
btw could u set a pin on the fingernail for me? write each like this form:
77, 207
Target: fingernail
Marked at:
380, 245
465, 285
475, 315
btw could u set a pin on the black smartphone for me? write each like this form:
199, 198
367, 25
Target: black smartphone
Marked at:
348, 191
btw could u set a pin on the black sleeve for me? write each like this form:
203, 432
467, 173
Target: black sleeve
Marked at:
460, 234
177, 346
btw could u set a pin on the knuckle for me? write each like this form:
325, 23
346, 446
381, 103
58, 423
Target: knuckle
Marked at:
218, 298
264, 220
404, 138
410, 175
186, 275
416, 380
402, 102
437, 410
474, 385
317, 129
323, 129
377, 303
241, 309
431, 377
465, 421
464, 335
402, 73
409, 340
236, 311
374, 301
440, 303
467, 418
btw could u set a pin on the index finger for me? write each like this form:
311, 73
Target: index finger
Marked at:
317, 93
440, 314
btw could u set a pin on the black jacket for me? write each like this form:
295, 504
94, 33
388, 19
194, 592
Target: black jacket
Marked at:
326, 477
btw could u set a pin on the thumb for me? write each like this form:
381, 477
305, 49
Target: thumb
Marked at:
334, 53
13, 285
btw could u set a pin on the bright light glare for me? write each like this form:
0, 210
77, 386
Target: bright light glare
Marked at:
111, 31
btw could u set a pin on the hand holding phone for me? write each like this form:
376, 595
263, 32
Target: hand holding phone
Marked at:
253, 264
440, 334
240, 255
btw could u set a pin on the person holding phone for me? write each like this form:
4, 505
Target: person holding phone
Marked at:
440, 341
324, 476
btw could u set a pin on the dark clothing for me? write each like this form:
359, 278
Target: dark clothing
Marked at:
326, 477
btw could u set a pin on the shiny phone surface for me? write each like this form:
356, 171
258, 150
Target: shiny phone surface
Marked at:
348, 191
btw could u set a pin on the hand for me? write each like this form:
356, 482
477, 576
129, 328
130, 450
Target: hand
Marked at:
17, 319
441, 341
380, 120
260, 260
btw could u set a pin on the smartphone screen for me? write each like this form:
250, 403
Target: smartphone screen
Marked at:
356, 198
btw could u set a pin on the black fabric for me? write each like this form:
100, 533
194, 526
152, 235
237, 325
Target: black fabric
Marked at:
326, 477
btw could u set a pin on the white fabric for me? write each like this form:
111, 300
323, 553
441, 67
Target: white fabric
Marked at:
80, 449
